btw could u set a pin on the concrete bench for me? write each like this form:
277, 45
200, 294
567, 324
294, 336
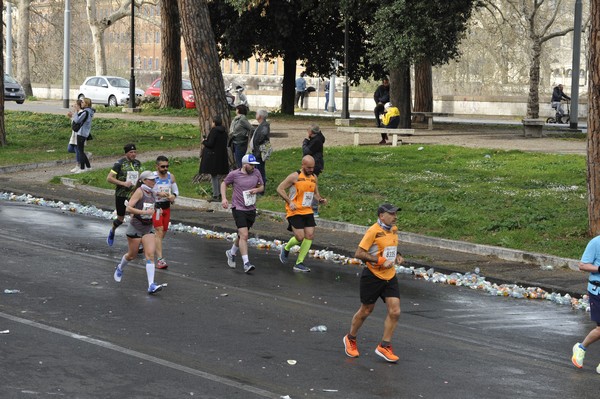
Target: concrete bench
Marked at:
357, 131
429, 116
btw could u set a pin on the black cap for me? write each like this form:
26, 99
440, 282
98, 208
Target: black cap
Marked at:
389, 208
129, 147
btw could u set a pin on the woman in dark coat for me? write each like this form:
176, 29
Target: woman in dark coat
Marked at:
215, 161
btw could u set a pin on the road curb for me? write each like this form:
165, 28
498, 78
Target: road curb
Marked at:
508, 254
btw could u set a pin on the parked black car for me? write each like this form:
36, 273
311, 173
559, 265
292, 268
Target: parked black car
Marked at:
13, 91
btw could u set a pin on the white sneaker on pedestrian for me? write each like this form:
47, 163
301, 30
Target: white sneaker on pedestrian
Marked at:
75, 169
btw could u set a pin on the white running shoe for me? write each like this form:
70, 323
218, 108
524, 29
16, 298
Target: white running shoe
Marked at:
230, 259
248, 267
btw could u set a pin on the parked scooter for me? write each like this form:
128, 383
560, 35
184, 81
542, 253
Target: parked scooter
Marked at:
565, 118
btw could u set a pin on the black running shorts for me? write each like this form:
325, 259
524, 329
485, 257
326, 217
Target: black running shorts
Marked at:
372, 288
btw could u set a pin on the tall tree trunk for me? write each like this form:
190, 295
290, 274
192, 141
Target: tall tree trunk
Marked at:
2, 126
288, 89
98, 28
23, 74
170, 91
423, 88
593, 143
533, 101
99, 52
205, 70
400, 92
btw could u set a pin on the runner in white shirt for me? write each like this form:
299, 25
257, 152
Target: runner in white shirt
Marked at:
166, 191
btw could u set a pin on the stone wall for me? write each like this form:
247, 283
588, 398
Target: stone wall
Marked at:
515, 106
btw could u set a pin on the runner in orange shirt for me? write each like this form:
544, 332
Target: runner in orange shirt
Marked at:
379, 250
303, 187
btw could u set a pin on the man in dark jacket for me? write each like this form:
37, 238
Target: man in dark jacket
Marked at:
557, 96
313, 145
381, 97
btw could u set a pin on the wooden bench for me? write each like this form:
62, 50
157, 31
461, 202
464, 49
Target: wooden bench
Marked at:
357, 131
429, 116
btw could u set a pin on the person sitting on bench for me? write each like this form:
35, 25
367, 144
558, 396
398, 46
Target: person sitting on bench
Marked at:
389, 120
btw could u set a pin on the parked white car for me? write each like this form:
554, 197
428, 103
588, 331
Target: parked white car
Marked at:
110, 91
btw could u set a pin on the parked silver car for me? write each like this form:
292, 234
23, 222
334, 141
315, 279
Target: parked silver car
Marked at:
110, 91
13, 91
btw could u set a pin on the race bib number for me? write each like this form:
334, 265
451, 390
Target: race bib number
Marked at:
249, 198
147, 206
307, 199
390, 253
163, 188
132, 176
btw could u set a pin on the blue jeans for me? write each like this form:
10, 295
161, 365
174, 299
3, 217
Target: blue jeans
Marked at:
239, 150
73, 149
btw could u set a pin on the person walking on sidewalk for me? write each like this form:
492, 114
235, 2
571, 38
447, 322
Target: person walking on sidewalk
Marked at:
379, 250
83, 119
166, 191
246, 182
590, 262
72, 148
124, 175
140, 229
313, 145
303, 187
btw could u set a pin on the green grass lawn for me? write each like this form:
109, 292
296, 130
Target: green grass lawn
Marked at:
35, 137
533, 202
529, 201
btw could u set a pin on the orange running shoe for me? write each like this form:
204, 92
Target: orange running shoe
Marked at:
350, 346
386, 353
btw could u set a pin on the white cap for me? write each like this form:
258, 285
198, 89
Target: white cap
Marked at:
250, 159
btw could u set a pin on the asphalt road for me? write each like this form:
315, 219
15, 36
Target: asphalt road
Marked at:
214, 332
